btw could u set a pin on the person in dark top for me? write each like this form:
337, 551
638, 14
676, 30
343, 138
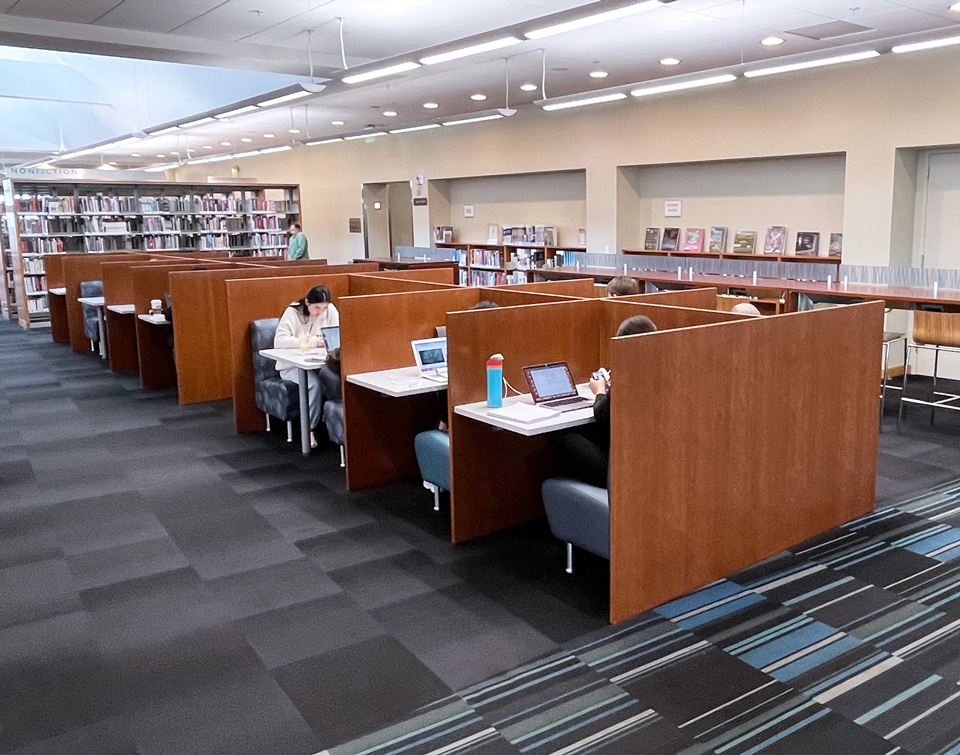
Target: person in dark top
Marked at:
586, 451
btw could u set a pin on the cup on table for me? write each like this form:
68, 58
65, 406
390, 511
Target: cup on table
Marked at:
156, 306
304, 342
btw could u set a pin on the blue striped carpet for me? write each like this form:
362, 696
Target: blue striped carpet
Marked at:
848, 643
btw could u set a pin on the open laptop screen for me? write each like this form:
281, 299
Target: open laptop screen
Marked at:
550, 381
331, 337
430, 353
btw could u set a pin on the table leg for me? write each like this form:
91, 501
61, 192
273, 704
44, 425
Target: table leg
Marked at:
303, 383
103, 333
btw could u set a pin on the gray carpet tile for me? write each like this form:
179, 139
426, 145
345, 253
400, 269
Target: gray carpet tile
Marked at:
168, 586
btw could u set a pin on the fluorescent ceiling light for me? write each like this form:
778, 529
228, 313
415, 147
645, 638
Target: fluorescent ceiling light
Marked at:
336, 123
464, 52
198, 162
271, 150
364, 136
588, 101
161, 132
414, 128
247, 154
378, 73
238, 111
681, 85
324, 141
160, 168
473, 120
930, 44
812, 64
284, 98
597, 18
191, 124
219, 158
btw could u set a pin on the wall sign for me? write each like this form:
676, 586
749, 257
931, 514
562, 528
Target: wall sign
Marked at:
672, 208
468, 211
355, 225
419, 201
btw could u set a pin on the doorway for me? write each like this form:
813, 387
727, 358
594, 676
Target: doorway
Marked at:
387, 217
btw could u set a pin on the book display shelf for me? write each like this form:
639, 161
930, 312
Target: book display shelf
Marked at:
798, 258
42, 218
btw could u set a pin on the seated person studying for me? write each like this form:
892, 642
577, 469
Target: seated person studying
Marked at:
623, 285
586, 451
305, 319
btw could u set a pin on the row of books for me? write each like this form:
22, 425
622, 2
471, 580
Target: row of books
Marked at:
486, 258
544, 235
33, 265
220, 241
48, 246
487, 278
37, 305
268, 239
34, 284
107, 203
744, 242
47, 226
527, 259
221, 223
112, 243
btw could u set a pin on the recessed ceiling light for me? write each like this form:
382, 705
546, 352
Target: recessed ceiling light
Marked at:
955, 7
670, 62
529, 87
478, 97
224, 144
390, 113
336, 123
134, 154
111, 163
771, 41
246, 139
430, 105
268, 136
294, 131
598, 74
207, 146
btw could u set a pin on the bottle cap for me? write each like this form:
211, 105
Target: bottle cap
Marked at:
495, 360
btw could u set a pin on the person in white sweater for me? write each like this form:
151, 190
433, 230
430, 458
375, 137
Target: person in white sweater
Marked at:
306, 317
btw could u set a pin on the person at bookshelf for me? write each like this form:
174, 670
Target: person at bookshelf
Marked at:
297, 249
586, 451
623, 285
300, 328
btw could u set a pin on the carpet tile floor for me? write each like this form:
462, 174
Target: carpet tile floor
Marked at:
169, 587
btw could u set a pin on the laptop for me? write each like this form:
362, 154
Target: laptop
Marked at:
331, 337
431, 356
552, 386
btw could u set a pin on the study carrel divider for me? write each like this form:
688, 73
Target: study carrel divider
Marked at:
735, 441
375, 334
201, 327
59, 327
496, 475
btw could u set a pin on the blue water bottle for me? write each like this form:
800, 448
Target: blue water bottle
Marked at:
495, 381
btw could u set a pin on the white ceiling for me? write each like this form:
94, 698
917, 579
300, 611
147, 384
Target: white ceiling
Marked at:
704, 34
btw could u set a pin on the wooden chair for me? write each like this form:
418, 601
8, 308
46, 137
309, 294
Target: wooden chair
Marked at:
932, 331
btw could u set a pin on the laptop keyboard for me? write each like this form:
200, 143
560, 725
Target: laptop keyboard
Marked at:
566, 401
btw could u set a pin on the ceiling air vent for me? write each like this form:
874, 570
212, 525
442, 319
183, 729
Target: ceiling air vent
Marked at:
830, 30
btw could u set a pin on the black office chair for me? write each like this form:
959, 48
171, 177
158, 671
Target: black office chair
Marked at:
91, 326
275, 397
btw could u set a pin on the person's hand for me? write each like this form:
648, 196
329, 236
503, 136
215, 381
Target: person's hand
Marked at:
598, 385
318, 342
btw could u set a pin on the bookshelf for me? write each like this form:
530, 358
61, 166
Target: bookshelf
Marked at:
41, 218
502, 264
799, 258
8, 298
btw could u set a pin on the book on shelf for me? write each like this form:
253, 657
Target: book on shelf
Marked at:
443, 234
581, 237
671, 239
776, 240
836, 244
808, 243
718, 239
745, 242
486, 258
493, 233
527, 259
651, 240
693, 240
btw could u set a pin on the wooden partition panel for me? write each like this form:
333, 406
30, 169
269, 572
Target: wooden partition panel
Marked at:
201, 329
53, 269
370, 285
496, 475
762, 433
445, 274
507, 297
696, 298
59, 328
581, 287
251, 299
84, 267
375, 334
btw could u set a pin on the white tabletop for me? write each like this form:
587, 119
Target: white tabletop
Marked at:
154, 319
92, 301
122, 309
559, 421
402, 381
312, 360
58, 291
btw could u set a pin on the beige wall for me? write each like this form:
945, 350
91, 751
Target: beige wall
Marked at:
865, 111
